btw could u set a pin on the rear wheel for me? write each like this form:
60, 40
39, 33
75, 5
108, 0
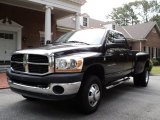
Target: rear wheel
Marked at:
142, 79
90, 94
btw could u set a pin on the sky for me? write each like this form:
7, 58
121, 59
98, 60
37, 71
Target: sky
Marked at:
98, 9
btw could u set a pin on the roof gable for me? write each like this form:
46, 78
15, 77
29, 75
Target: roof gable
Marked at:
93, 23
140, 31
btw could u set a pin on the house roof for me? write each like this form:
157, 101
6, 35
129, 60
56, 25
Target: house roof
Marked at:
79, 1
138, 31
69, 22
93, 23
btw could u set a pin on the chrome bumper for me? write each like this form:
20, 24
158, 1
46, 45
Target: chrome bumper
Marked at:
69, 88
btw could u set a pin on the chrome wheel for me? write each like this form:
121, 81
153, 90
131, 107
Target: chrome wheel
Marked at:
93, 95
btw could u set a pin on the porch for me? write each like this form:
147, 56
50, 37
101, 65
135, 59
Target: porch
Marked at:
31, 23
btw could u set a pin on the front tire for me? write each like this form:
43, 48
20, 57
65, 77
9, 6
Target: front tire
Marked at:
90, 94
142, 79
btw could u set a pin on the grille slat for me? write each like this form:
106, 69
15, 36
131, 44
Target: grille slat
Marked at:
18, 67
37, 58
32, 64
38, 68
17, 57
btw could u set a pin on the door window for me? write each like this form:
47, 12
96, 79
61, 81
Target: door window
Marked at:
116, 38
6, 36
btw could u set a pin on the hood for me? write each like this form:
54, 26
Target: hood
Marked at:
61, 49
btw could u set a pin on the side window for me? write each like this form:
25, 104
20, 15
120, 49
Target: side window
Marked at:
116, 38
119, 38
110, 37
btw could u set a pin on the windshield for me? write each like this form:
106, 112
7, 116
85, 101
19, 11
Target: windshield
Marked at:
89, 36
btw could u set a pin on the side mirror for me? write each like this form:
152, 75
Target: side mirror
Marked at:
48, 42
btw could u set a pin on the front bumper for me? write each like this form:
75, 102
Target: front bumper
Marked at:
43, 86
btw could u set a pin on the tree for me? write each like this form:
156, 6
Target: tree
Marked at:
146, 8
156, 18
124, 15
135, 12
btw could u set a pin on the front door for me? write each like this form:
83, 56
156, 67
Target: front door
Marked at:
113, 58
7, 45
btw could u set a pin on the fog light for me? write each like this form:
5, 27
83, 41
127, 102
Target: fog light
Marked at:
58, 89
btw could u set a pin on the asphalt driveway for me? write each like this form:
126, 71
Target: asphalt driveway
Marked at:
124, 102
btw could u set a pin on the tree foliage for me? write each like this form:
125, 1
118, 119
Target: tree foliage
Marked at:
156, 18
135, 12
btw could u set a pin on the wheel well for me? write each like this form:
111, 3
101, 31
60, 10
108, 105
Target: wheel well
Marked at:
97, 70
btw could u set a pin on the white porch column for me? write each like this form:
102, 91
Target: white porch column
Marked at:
19, 39
147, 49
140, 45
154, 53
77, 21
48, 23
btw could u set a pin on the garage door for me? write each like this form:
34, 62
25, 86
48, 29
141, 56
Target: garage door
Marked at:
7, 45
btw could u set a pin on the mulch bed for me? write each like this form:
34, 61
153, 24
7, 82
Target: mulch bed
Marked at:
3, 81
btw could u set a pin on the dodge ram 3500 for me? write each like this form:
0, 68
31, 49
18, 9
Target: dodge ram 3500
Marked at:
79, 64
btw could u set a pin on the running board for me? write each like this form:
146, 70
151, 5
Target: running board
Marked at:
116, 83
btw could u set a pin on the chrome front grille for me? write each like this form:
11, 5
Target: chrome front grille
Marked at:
30, 63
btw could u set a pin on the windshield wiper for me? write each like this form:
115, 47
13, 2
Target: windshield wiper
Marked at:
79, 42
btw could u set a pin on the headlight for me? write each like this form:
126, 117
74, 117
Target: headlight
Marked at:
68, 64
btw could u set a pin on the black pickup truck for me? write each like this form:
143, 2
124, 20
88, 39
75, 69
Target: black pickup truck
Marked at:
79, 64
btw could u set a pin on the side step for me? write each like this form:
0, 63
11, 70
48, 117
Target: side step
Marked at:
116, 83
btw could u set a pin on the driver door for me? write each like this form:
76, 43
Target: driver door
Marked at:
114, 58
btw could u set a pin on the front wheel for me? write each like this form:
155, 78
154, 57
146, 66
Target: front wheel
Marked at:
142, 79
90, 94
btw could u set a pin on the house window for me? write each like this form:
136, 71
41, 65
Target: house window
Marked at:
144, 48
85, 21
149, 52
6, 36
156, 52
42, 40
154, 30
152, 52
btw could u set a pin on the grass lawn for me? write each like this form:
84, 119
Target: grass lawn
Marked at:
155, 70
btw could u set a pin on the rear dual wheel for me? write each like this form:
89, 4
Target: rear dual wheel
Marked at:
142, 79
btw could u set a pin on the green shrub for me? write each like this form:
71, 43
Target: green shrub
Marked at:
150, 65
155, 62
158, 60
